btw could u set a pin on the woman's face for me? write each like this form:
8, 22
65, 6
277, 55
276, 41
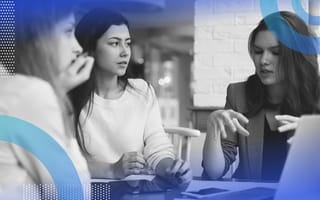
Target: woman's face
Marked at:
67, 45
113, 50
265, 55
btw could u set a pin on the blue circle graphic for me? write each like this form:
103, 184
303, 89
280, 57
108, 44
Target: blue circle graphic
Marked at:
46, 150
300, 11
301, 43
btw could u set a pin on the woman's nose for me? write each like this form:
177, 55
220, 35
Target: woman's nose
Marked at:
77, 49
265, 58
125, 50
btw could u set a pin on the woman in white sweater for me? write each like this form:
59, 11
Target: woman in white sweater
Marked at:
47, 65
120, 117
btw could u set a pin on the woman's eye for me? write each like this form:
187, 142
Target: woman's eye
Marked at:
276, 53
114, 44
69, 31
257, 50
128, 44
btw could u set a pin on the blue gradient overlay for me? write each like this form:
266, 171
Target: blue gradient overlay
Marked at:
41, 145
301, 43
47, 151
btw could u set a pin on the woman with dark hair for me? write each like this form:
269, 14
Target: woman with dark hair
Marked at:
120, 117
262, 113
48, 63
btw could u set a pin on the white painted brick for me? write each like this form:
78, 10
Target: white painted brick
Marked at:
219, 87
234, 59
201, 46
231, 32
256, 5
220, 49
213, 46
204, 32
241, 46
286, 4
242, 73
202, 86
202, 100
203, 60
222, 59
222, 46
251, 18
203, 6
248, 65
241, 59
204, 13
221, 56
203, 19
233, 6
222, 73
202, 73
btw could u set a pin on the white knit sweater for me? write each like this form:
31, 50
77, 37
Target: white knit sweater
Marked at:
33, 100
129, 123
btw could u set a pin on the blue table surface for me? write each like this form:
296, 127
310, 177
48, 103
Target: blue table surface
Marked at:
159, 190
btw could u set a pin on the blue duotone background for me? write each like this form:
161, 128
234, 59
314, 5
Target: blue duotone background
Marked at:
41, 144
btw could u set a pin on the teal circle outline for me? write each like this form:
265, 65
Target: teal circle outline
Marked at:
300, 11
270, 6
47, 151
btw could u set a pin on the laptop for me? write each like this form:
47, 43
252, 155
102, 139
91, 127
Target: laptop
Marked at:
300, 178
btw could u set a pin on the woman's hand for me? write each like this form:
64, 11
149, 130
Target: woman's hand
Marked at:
287, 122
219, 120
78, 72
130, 163
179, 173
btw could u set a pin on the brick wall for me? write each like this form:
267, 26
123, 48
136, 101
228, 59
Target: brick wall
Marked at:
222, 28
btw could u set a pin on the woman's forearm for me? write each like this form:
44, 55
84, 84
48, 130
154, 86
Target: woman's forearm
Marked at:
213, 158
163, 165
102, 170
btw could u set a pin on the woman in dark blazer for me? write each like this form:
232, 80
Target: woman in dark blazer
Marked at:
262, 113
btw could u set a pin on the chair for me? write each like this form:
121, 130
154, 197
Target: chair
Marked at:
181, 139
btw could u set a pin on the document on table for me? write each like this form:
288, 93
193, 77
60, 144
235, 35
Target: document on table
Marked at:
128, 178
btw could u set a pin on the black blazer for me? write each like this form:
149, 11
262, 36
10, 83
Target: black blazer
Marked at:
251, 147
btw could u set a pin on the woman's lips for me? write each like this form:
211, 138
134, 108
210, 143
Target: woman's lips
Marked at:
265, 71
123, 64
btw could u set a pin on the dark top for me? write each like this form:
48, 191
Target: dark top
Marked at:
274, 153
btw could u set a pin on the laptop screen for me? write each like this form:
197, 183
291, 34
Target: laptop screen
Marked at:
300, 178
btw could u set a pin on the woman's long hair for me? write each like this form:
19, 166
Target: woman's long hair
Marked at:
300, 71
35, 46
89, 29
